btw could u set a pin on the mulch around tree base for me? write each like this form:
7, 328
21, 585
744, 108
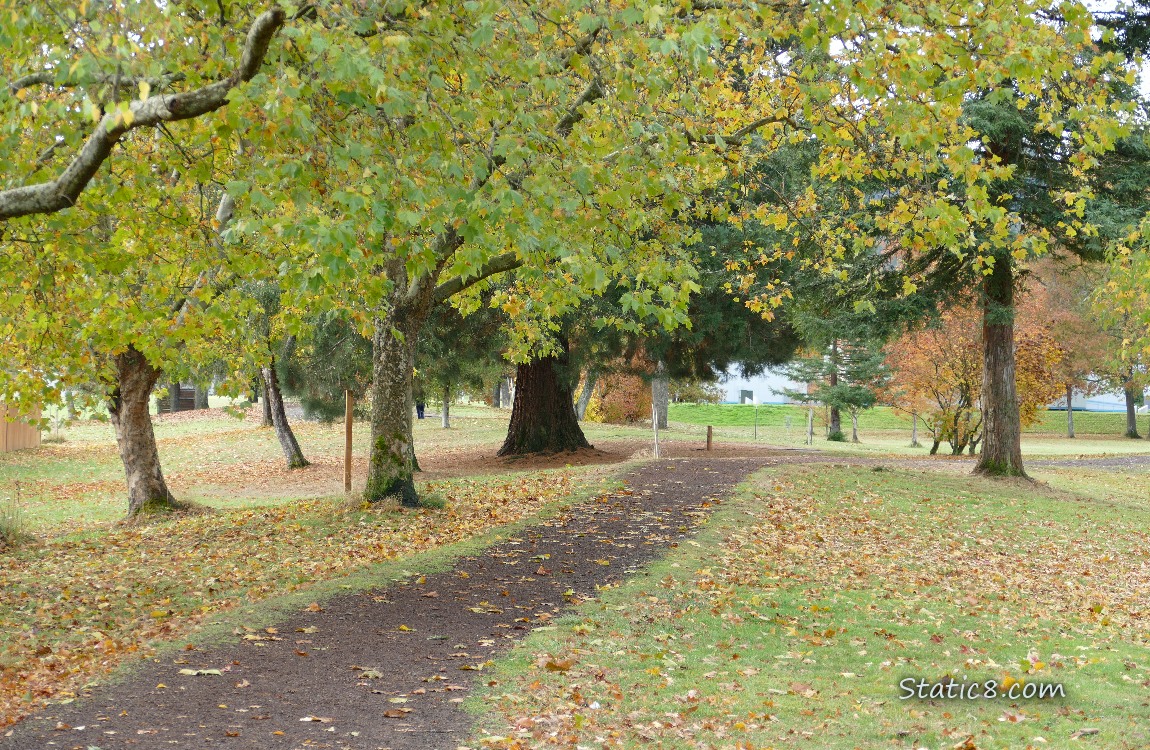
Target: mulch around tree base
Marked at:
389, 668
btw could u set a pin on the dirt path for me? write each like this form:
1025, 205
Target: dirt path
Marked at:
389, 668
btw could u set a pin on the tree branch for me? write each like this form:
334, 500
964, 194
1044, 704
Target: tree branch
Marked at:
737, 137
48, 78
62, 192
498, 264
567, 123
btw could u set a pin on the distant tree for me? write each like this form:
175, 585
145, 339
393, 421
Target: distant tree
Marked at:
844, 376
937, 373
457, 353
330, 357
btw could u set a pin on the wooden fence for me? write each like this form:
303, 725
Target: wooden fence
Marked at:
16, 434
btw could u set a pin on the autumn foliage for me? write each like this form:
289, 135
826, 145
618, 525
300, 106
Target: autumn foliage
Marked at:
620, 398
937, 371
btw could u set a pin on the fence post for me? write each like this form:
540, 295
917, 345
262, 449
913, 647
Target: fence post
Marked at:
709, 434
347, 407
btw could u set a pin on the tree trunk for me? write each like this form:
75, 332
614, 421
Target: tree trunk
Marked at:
505, 391
973, 447
392, 459
811, 425
934, 446
128, 407
854, 427
1001, 426
173, 397
914, 431
446, 417
661, 393
835, 424
543, 414
1069, 410
1131, 412
267, 407
201, 397
274, 401
589, 380
495, 400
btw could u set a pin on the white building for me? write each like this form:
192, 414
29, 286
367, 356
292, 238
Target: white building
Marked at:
740, 390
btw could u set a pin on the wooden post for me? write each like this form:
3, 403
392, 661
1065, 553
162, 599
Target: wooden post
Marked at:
655, 425
348, 402
709, 434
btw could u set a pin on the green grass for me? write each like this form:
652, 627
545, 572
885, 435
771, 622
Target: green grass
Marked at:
94, 598
795, 615
879, 418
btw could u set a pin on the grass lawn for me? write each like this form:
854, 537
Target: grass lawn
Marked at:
813, 575
87, 593
794, 617
880, 418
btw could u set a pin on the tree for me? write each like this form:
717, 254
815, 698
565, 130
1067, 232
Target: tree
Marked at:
954, 188
543, 414
1074, 325
267, 325
461, 353
120, 300
101, 64
493, 174
1120, 304
937, 373
844, 375
330, 357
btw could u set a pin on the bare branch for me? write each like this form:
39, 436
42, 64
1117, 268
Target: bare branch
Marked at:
62, 192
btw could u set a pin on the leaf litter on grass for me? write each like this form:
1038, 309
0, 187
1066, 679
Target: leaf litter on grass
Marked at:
75, 608
795, 619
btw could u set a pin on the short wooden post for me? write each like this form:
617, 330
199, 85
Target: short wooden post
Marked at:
709, 435
655, 425
348, 402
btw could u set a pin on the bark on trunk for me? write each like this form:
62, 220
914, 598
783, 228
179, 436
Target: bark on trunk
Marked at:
973, 447
1001, 426
495, 400
392, 460
543, 414
1069, 410
267, 408
273, 400
854, 427
914, 431
661, 393
835, 424
201, 397
1131, 411
446, 417
589, 380
128, 407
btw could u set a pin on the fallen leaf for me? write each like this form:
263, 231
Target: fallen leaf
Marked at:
396, 713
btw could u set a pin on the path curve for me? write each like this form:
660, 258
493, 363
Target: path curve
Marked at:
388, 668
